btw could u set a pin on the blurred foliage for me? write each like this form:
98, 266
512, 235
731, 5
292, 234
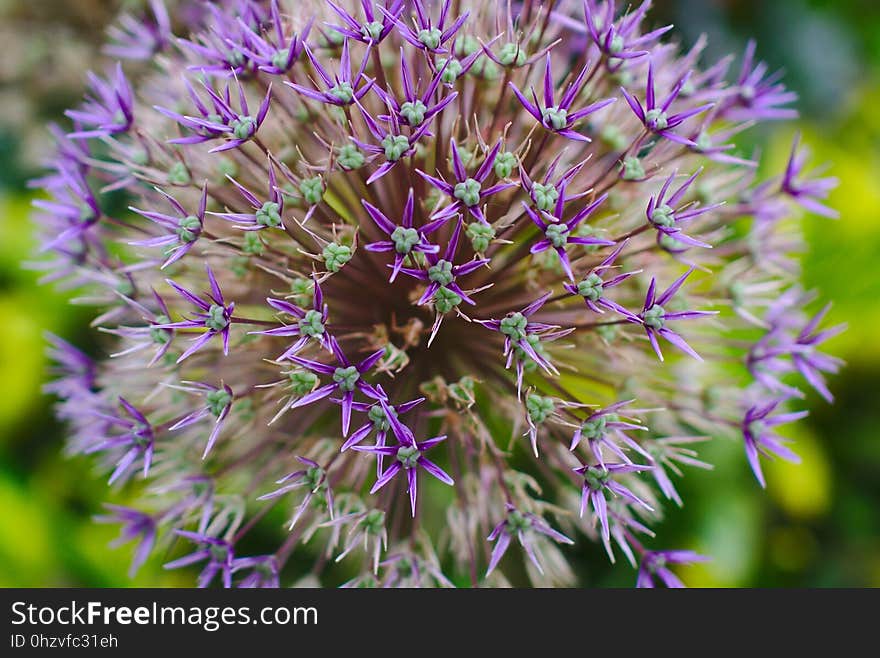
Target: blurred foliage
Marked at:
817, 524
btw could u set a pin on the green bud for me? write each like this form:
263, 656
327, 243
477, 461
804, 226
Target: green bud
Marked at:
591, 287
451, 71
343, 92
656, 119
514, 326
596, 479
413, 112
481, 235
336, 255
408, 456
269, 214
613, 137
632, 168
188, 228
404, 239
539, 407
512, 54
441, 272
312, 190
252, 244
302, 381
377, 416
555, 117
430, 38
395, 146
349, 157
178, 174
505, 163
372, 30
216, 320
663, 216
243, 127
468, 192
557, 234
312, 324
654, 317
347, 378
445, 300
218, 400
545, 196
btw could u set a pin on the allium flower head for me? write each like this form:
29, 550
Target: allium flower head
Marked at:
389, 264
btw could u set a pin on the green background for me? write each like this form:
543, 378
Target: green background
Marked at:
818, 524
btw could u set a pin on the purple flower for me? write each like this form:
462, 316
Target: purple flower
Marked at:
393, 144
313, 478
140, 38
135, 438
523, 526
149, 335
408, 456
604, 424
415, 109
467, 193
182, 231
666, 215
598, 480
218, 402
347, 378
655, 117
558, 117
263, 571
222, 121
275, 56
654, 317
74, 204
616, 41
760, 438
668, 453
758, 96
265, 214
135, 525
220, 49
811, 363
377, 422
218, 552
108, 111
342, 89
442, 273
654, 564
215, 316
404, 238
558, 234
308, 324
426, 35
593, 286
808, 193
372, 31
74, 371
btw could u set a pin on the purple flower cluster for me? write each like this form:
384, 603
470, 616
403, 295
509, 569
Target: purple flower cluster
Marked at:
390, 263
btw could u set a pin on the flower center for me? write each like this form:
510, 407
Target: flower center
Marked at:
557, 234
343, 92
413, 112
441, 272
468, 192
217, 319
395, 146
591, 287
347, 378
188, 228
312, 324
430, 38
404, 239
372, 30
514, 326
545, 196
656, 119
555, 118
408, 456
269, 214
654, 317
244, 127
